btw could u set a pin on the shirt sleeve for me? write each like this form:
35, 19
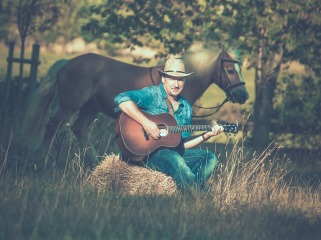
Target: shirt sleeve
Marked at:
142, 98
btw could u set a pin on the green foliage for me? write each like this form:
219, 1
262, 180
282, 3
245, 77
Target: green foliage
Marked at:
177, 24
44, 20
142, 23
4, 20
293, 24
68, 26
32, 15
298, 105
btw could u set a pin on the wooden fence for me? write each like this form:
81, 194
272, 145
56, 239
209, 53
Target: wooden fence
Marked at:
34, 62
15, 90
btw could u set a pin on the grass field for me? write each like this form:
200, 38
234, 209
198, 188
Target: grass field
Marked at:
252, 195
247, 200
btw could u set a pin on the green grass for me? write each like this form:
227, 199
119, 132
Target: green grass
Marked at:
50, 211
248, 200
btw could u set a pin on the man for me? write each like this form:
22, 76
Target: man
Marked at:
188, 167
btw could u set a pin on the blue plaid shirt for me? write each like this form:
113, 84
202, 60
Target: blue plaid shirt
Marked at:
153, 101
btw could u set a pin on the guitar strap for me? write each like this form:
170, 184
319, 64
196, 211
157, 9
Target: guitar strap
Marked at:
169, 107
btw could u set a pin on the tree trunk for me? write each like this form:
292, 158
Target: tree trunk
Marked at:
266, 74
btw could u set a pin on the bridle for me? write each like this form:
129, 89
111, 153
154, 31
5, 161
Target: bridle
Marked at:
230, 86
227, 90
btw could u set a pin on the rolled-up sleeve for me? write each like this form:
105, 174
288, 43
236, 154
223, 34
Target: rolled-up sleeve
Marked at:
142, 98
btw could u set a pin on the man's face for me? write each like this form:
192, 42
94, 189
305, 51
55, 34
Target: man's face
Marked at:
173, 85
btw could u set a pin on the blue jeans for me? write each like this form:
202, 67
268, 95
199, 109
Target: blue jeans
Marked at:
188, 167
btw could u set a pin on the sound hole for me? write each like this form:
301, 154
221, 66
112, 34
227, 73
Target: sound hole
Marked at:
163, 130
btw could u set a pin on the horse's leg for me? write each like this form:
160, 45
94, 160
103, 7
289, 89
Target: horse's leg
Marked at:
51, 130
87, 115
55, 122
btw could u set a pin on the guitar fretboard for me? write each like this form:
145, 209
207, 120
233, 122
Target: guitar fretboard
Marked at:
191, 128
228, 128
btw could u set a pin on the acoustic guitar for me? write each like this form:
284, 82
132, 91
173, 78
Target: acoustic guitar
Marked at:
135, 144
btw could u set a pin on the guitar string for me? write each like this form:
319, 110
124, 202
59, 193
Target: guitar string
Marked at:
228, 127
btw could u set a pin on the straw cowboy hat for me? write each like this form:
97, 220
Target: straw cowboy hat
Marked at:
174, 67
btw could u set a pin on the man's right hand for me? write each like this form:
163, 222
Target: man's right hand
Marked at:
151, 129
131, 109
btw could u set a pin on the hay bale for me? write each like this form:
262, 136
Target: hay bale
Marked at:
114, 174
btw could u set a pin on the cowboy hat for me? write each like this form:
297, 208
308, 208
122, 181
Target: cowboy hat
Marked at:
174, 67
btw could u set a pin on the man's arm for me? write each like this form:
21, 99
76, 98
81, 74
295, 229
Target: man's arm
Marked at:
131, 109
216, 130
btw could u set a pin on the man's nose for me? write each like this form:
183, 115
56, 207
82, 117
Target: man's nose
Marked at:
176, 83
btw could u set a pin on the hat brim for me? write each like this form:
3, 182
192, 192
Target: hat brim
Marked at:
173, 74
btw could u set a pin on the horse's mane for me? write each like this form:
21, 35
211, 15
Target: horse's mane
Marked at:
235, 53
202, 59
200, 54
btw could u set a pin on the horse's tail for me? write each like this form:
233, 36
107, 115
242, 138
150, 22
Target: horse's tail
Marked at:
40, 105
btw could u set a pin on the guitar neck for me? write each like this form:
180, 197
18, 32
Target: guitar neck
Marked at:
190, 128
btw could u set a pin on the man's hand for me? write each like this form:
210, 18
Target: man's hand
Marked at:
131, 109
151, 129
216, 130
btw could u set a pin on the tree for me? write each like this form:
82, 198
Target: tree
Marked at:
302, 124
277, 32
270, 31
31, 16
3, 21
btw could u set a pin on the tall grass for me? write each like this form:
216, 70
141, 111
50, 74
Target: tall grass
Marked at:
260, 180
249, 199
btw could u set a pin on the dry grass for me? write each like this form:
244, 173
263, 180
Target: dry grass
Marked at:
238, 182
260, 181
116, 175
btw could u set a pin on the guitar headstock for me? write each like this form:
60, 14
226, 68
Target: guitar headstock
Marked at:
229, 127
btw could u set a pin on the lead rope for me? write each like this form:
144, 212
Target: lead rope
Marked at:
217, 109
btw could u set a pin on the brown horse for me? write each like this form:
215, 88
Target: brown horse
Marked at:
89, 83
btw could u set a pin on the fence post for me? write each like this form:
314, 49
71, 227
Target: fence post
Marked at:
9, 60
34, 67
9, 72
6, 91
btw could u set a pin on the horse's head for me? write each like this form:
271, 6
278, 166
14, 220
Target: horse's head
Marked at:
230, 78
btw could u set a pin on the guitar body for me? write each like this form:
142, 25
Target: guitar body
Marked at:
133, 141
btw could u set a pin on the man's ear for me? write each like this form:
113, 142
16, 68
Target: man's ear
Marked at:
162, 79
